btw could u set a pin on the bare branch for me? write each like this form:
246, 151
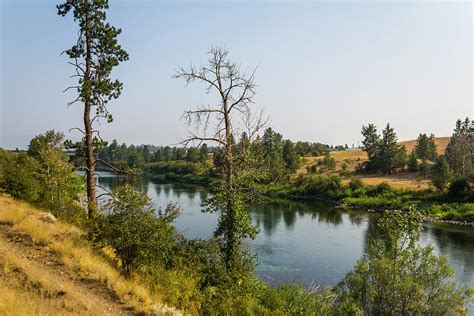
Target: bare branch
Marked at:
118, 170
76, 128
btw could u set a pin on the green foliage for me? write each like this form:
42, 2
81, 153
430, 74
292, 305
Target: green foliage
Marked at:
390, 155
18, 176
289, 156
329, 162
42, 142
355, 184
453, 211
46, 179
60, 186
371, 144
425, 147
384, 153
294, 299
440, 174
140, 236
397, 276
460, 150
413, 162
176, 167
321, 186
97, 87
460, 189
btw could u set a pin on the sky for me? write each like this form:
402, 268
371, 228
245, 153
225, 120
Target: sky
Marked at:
324, 68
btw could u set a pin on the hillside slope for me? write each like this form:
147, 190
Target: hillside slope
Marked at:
351, 158
47, 268
441, 144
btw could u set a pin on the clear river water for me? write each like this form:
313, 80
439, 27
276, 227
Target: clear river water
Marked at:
303, 241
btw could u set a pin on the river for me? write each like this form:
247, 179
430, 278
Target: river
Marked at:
306, 242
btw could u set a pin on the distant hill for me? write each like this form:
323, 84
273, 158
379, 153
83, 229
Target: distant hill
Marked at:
441, 144
352, 158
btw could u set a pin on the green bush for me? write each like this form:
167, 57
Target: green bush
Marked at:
324, 186
177, 167
140, 235
18, 176
398, 277
460, 189
355, 183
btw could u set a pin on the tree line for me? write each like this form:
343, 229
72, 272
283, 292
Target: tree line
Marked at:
387, 156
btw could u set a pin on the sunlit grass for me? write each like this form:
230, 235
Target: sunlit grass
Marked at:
68, 243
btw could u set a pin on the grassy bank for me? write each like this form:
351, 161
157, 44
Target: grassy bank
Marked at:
47, 267
356, 194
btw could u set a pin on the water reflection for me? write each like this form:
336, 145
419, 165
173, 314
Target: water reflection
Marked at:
302, 240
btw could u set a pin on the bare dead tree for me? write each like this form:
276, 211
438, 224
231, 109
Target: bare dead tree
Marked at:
218, 124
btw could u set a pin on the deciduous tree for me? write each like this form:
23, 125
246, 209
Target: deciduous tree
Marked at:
235, 90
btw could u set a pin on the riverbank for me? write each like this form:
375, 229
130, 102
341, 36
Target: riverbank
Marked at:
435, 206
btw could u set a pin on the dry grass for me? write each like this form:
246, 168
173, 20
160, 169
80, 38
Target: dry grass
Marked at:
404, 180
83, 281
351, 158
441, 144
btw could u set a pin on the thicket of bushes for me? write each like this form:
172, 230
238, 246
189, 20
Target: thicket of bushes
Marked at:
190, 274
45, 180
176, 167
454, 204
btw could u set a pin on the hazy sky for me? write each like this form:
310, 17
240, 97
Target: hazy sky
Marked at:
325, 69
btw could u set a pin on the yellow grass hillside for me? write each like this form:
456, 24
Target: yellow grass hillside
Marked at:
441, 144
47, 268
351, 158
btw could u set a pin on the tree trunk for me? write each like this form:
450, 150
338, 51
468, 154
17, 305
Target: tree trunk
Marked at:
230, 229
90, 161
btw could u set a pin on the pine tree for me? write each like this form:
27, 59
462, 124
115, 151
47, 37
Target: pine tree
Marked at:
93, 56
389, 150
413, 162
425, 147
460, 150
440, 174
371, 145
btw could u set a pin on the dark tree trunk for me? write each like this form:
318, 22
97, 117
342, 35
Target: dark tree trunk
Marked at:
90, 161
232, 242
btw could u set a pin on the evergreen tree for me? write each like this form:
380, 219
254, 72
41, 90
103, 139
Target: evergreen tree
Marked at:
289, 156
371, 145
94, 54
203, 153
425, 147
460, 150
389, 155
440, 174
413, 162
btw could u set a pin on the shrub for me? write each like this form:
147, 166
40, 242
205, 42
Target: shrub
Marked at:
460, 189
379, 189
323, 185
355, 183
177, 167
398, 277
139, 235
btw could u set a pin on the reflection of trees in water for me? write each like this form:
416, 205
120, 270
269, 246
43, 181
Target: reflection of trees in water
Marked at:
268, 215
167, 190
140, 183
203, 195
372, 232
357, 217
455, 242
158, 189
